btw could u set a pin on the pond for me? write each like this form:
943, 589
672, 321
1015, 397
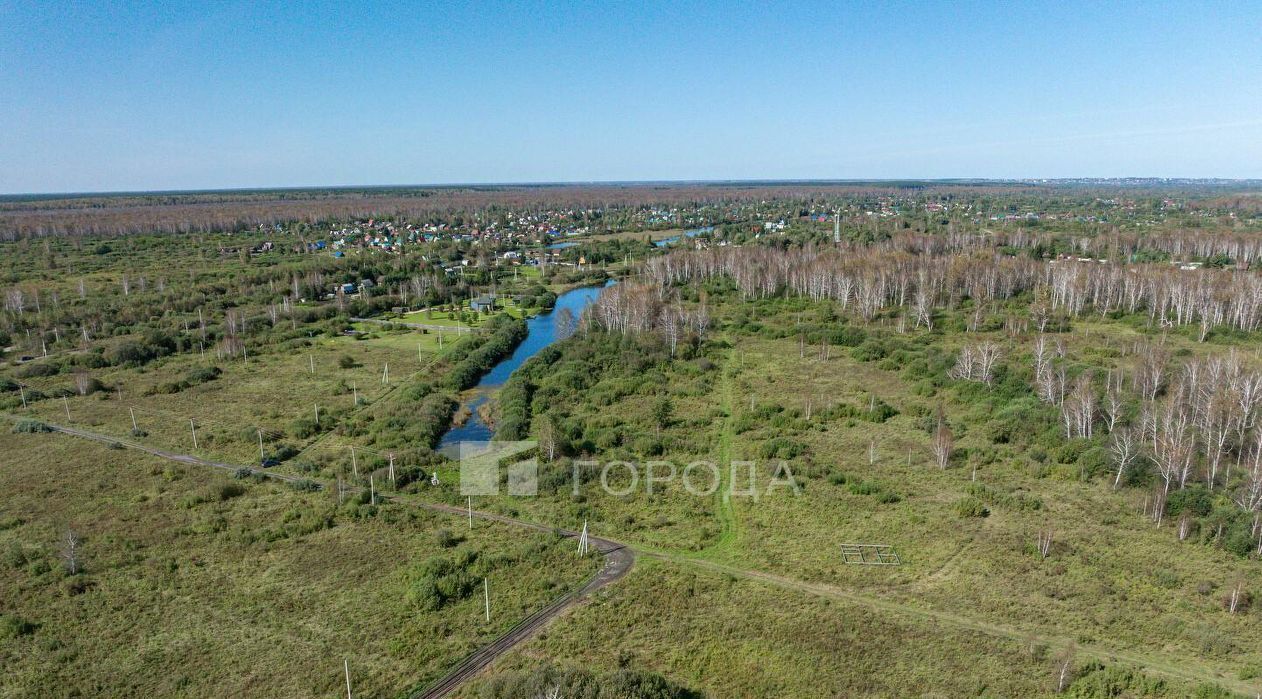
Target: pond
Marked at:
691, 233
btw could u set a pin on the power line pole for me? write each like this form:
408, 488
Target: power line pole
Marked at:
192, 425
260, 431
470, 512
582, 540
354, 463
134, 426
393, 482
66, 402
486, 595
346, 665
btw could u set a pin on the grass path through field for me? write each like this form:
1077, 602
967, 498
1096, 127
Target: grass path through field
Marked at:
723, 509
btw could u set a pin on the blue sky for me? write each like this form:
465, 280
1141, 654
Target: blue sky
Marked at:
141, 96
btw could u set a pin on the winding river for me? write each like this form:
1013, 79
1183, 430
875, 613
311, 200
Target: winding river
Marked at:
541, 331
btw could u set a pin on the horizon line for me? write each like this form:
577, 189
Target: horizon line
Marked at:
1117, 180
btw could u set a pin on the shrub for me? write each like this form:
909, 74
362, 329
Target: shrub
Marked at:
969, 506
37, 370
865, 488
347, 362
304, 485
31, 427
446, 539
12, 626
781, 448
1194, 500
202, 375
227, 491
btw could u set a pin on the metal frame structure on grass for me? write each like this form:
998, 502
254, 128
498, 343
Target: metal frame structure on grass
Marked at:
870, 555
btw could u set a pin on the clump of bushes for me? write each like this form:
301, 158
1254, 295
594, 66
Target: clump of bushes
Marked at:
883, 495
31, 427
1012, 501
304, 485
197, 376
13, 626
970, 506
441, 580
781, 448
576, 682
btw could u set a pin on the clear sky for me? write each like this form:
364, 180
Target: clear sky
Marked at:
128, 96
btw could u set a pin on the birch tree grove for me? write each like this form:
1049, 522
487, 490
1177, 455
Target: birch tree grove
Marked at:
1196, 421
870, 279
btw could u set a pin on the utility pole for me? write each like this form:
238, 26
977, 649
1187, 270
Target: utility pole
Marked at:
372, 490
355, 389
193, 426
134, 426
385, 373
311, 362
582, 540
470, 513
66, 402
354, 463
260, 431
486, 595
22, 389
346, 665
393, 482
317, 411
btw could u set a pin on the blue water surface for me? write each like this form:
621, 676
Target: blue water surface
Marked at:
541, 331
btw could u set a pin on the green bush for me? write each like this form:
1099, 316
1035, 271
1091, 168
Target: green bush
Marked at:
31, 427
969, 506
13, 626
304, 485
1194, 500
30, 371
202, 375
